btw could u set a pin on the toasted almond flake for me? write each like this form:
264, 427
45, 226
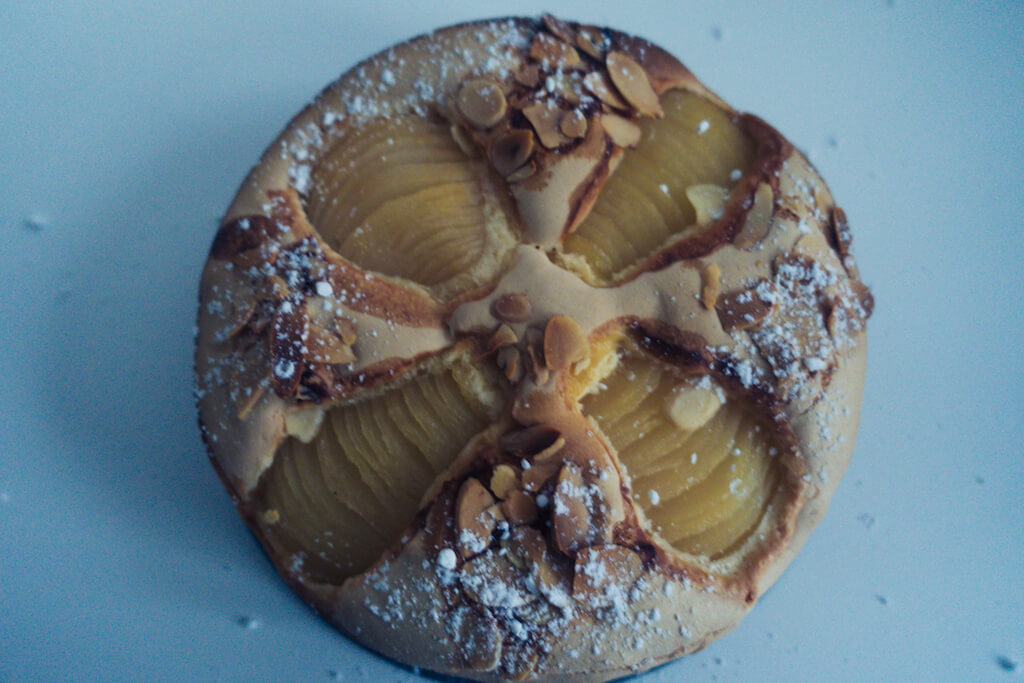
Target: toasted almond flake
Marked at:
815, 247
841, 234
744, 309
288, 332
692, 407
529, 441
550, 451
479, 638
490, 579
571, 517
519, 508
561, 29
503, 336
573, 124
591, 40
544, 117
758, 220
241, 304
511, 308
253, 258
510, 362
345, 329
528, 75
464, 141
474, 522
708, 201
511, 150
539, 475
243, 234
482, 102
553, 53
535, 354
564, 343
864, 296
273, 288
504, 478
711, 278
604, 573
324, 346
632, 82
598, 83
621, 131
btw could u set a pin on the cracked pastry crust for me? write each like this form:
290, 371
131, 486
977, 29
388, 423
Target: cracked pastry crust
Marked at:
526, 357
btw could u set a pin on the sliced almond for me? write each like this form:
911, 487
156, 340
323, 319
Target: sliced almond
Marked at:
841, 231
254, 258
518, 660
561, 29
287, 338
744, 309
464, 141
571, 516
710, 279
565, 345
479, 639
528, 75
598, 83
632, 82
621, 131
482, 102
474, 523
758, 220
512, 308
566, 85
529, 546
605, 574
503, 336
708, 201
530, 441
240, 302
864, 297
510, 362
553, 53
510, 151
490, 579
544, 117
573, 124
245, 233
504, 479
535, 354
519, 508
273, 288
329, 337
691, 407
592, 41
539, 475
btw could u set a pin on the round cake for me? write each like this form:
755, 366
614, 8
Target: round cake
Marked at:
525, 356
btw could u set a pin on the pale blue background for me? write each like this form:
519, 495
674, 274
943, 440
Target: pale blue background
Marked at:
124, 131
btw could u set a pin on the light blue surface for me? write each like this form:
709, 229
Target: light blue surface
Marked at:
125, 132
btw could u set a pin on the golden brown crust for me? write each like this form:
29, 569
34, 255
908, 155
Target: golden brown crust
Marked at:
529, 558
